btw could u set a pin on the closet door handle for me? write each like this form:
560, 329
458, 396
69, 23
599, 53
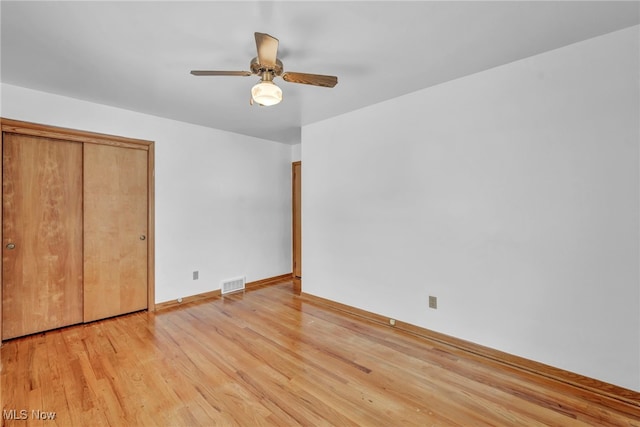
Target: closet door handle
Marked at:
143, 237
11, 246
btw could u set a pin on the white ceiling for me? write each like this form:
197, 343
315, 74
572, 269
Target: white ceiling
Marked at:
137, 55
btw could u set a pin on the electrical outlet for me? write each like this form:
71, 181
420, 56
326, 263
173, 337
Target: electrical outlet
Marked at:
433, 302
195, 275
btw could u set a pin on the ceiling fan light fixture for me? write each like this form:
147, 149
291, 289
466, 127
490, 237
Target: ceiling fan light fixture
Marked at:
266, 93
268, 66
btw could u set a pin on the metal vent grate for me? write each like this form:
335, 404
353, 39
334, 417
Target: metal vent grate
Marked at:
232, 285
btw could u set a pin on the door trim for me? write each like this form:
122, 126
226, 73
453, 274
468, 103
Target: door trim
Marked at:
297, 282
54, 132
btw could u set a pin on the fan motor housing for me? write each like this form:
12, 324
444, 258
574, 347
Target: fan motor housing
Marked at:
257, 68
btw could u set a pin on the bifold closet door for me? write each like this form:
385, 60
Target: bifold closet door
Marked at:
41, 234
115, 230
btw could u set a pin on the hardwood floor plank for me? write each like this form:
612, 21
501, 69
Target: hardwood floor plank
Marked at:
267, 357
507, 374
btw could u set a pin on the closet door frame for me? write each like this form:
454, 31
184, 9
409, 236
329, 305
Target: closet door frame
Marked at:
34, 129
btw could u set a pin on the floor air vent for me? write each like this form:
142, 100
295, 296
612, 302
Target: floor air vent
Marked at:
232, 285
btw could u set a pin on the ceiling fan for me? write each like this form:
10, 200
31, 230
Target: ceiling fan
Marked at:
268, 66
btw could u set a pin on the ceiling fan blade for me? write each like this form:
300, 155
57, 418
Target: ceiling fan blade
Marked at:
267, 49
220, 73
310, 79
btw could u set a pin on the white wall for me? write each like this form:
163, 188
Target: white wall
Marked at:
296, 152
223, 200
512, 195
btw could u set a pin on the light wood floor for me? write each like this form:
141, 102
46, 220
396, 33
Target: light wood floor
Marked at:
267, 357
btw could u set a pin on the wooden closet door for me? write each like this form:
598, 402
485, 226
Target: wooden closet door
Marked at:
41, 235
115, 231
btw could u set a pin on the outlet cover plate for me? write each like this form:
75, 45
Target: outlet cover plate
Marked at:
433, 302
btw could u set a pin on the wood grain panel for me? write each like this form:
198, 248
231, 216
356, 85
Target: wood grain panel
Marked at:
42, 204
267, 357
115, 231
